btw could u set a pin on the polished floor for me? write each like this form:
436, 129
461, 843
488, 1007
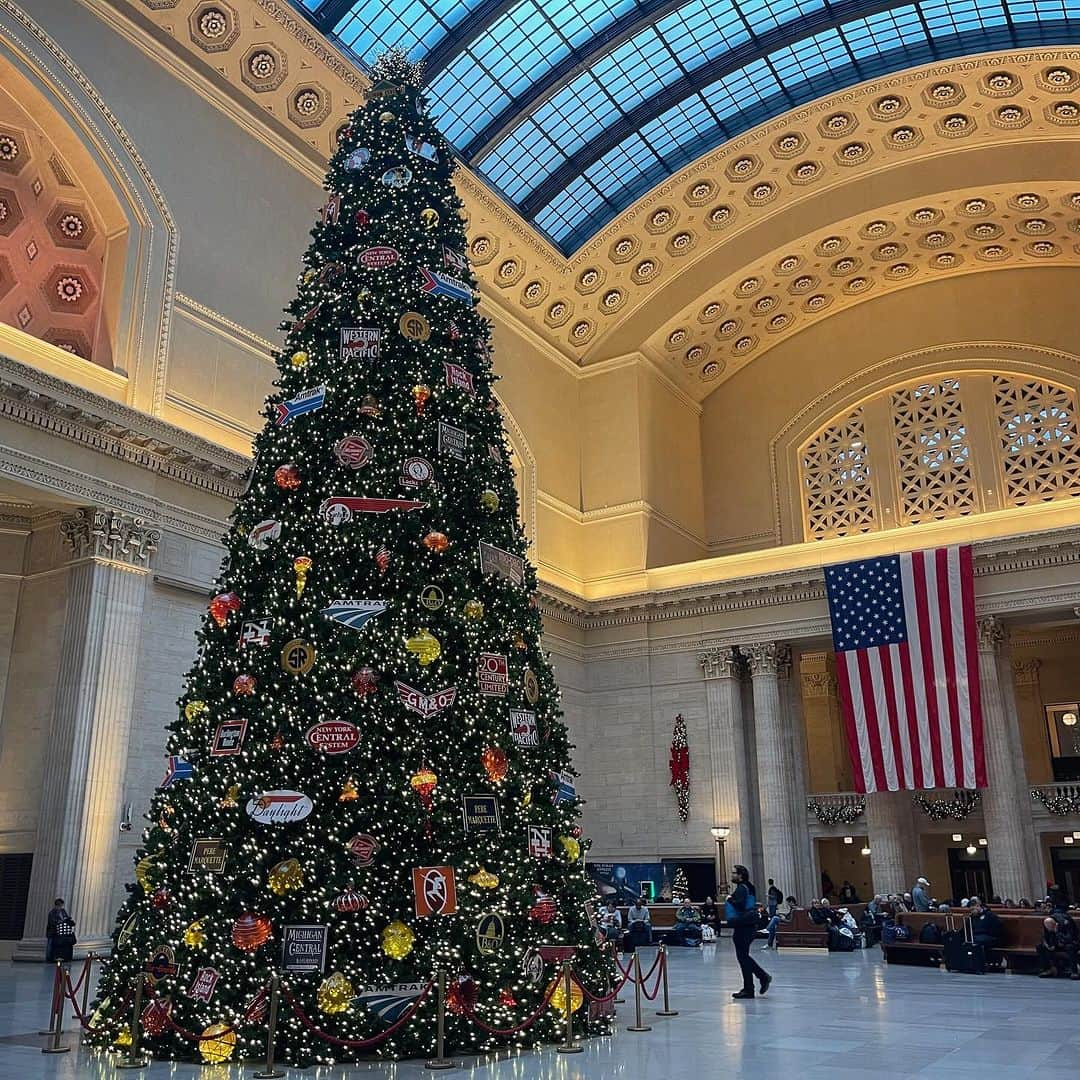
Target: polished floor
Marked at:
825, 1018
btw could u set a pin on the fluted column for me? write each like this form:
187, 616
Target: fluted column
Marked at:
1009, 830
723, 670
774, 766
891, 834
89, 742
792, 706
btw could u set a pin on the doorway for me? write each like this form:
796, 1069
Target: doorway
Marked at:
969, 875
1065, 862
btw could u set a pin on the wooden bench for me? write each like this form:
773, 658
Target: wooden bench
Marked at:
803, 933
1020, 936
915, 951
661, 918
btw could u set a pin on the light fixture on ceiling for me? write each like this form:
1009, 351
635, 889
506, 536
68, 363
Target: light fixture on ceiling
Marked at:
982, 841
865, 851
1069, 840
1069, 719
849, 839
957, 837
971, 849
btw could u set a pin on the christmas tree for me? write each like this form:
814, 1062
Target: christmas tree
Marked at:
370, 739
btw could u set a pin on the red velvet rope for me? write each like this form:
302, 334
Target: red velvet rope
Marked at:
85, 1018
192, 1036
355, 1044
626, 972
528, 1023
82, 978
659, 977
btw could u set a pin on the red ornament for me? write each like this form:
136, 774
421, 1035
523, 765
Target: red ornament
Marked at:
421, 393
350, 900
250, 931
382, 559
575, 832
544, 908
365, 681
507, 998
287, 477
462, 995
161, 898
155, 1015
423, 782
436, 541
223, 605
452, 331
244, 685
362, 218
495, 763
277, 742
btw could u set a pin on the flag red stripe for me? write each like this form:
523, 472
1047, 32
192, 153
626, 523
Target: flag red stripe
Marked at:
866, 682
971, 643
894, 724
924, 645
847, 711
912, 718
946, 667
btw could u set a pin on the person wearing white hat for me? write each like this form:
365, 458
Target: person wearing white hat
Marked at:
920, 894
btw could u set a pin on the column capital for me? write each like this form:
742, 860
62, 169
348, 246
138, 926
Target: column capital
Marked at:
818, 684
723, 662
767, 658
992, 633
1026, 672
97, 533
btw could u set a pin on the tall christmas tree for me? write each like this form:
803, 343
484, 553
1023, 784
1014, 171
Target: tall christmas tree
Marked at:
370, 739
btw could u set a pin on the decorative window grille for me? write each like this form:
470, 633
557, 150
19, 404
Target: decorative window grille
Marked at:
1040, 447
932, 454
837, 484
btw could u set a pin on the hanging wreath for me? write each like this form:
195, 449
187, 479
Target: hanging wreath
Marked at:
962, 805
680, 767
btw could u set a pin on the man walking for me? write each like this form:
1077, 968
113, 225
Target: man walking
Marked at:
740, 910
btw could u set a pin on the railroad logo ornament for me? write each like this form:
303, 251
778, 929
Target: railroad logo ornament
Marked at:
353, 451
360, 342
279, 807
262, 535
490, 932
333, 737
256, 631
414, 326
434, 890
362, 848
432, 597
298, 657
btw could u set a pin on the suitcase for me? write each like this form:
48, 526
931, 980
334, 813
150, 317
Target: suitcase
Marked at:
963, 955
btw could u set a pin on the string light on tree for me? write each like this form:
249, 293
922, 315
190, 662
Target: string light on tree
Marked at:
372, 656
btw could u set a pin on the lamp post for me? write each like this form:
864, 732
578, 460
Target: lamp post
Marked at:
720, 833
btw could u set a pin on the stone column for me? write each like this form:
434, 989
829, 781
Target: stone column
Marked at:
1007, 807
893, 840
791, 703
723, 670
83, 783
774, 766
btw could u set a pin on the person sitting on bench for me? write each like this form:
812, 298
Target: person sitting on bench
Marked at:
986, 927
611, 921
783, 914
638, 925
1057, 950
710, 914
687, 926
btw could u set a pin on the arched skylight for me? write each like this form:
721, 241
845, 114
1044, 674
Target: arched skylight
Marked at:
572, 109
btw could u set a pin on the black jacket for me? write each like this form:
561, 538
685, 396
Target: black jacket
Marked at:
986, 927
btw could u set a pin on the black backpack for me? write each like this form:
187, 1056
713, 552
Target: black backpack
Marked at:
930, 934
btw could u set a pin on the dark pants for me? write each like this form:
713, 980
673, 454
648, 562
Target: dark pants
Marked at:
1061, 959
742, 936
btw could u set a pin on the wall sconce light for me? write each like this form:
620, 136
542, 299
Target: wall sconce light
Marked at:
849, 839
125, 818
1069, 719
865, 851
982, 841
957, 837
1069, 840
971, 849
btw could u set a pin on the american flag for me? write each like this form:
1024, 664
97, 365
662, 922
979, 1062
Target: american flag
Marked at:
907, 669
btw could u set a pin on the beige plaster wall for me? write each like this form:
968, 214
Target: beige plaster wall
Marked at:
1030, 306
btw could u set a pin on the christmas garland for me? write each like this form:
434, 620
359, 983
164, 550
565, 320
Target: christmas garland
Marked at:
1060, 805
680, 768
962, 805
836, 813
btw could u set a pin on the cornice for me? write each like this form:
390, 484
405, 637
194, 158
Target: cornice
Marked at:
41, 401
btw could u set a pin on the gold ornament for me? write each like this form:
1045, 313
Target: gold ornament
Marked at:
217, 1043
194, 709
99, 1015
230, 799
301, 565
557, 989
484, 879
430, 217
527, 800
299, 358
195, 935
349, 790
474, 609
286, 876
489, 500
334, 994
123, 1038
426, 647
571, 847
387, 117
397, 940
308, 275
142, 871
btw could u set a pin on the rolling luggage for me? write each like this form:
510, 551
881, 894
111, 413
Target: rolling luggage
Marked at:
963, 955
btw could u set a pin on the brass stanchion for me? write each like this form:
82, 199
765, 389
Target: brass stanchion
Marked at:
637, 1025
269, 1072
54, 1005
134, 1060
88, 968
58, 1014
568, 1046
667, 1010
440, 1060
615, 962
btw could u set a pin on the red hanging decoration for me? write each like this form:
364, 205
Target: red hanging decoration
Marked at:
680, 767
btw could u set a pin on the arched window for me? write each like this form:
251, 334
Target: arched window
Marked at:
937, 448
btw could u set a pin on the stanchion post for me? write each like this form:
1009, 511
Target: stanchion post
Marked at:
54, 1005
440, 1060
667, 1010
568, 1046
88, 969
637, 1024
269, 1072
615, 964
58, 1014
134, 1060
